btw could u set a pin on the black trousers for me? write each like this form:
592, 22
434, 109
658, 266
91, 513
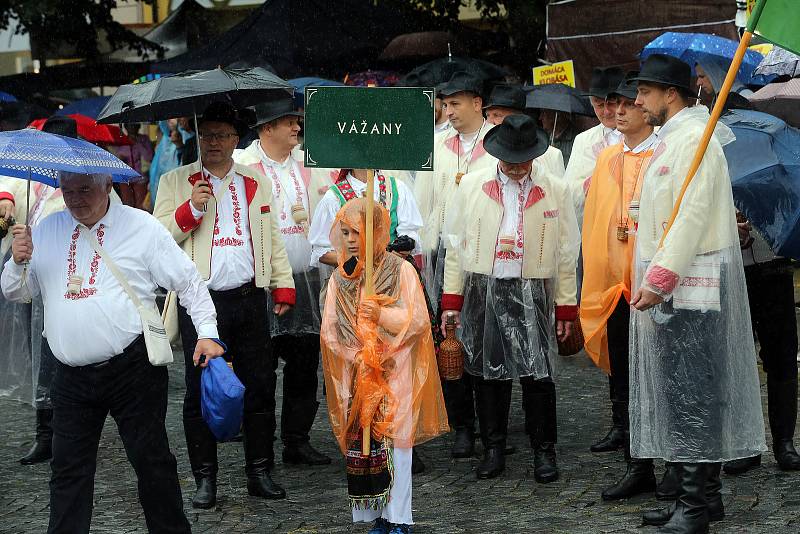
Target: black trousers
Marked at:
618, 332
135, 394
243, 325
770, 290
299, 407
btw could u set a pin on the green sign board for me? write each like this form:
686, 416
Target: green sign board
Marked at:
369, 127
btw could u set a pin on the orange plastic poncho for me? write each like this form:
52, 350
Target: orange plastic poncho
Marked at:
607, 261
383, 373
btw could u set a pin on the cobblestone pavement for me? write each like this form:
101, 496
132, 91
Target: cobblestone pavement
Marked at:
447, 498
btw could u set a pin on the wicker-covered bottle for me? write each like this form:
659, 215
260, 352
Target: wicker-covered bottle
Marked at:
451, 352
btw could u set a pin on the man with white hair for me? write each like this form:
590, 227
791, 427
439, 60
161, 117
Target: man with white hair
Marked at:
95, 333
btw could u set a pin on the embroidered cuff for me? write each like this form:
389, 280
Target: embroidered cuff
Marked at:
451, 301
5, 195
566, 313
283, 295
662, 280
184, 217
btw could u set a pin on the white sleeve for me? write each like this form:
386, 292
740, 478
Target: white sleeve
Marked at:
409, 219
172, 269
321, 224
18, 283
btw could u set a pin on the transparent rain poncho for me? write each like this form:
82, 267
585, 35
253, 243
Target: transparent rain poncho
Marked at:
694, 387
383, 372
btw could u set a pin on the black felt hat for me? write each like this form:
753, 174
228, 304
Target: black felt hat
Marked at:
269, 111
507, 96
516, 140
666, 70
59, 125
460, 82
627, 87
223, 112
604, 81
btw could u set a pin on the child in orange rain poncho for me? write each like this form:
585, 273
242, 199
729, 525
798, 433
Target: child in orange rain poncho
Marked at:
378, 358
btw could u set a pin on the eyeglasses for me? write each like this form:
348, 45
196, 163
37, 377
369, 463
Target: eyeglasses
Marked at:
211, 137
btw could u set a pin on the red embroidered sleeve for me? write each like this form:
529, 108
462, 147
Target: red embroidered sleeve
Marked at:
661, 279
284, 295
7, 196
566, 313
451, 301
185, 219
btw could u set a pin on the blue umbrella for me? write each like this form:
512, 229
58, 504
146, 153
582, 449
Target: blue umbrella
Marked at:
764, 164
300, 84
699, 47
5, 97
91, 107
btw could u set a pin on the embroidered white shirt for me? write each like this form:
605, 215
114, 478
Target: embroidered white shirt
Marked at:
508, 263
100, 321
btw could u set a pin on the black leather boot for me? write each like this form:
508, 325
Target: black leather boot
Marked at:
716, 510
202, 448
545, 466
615, 439
667, 489
539, 403
638, 478
259, 457
691, 508
492, 402
42, 449
297, 418
460, 403
417, 465
741, 465
782, 408
464, 443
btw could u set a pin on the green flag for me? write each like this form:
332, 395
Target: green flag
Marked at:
777, 21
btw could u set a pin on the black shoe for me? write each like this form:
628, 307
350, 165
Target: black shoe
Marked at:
262, 485
614, 441
667, 489
638, 478
742, 465
492, 464
545, 468
417, 465
691, 509
786, 455
303, 453
464, 445
206, 495
42, 449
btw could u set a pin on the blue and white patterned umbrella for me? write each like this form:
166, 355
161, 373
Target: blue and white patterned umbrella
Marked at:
39, 156
697, 47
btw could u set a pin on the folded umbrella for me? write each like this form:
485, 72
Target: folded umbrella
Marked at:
557, 97
89, 130
779, 99
221, 399
764, 165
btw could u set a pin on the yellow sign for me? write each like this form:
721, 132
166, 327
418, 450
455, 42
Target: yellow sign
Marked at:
561, 72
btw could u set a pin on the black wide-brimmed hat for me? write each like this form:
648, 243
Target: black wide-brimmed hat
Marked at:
507, 96
604, 81
627, 87
269, 111
516, 140
666, 70
223, 112
59, 125
460, 82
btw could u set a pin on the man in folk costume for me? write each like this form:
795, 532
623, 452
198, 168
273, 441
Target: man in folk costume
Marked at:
456, 152
609, 233
222, 216
508, 100
295, 335
380, 369
694, 396
588, 145
510, 265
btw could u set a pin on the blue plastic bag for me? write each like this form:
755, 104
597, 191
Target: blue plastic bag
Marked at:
221, 399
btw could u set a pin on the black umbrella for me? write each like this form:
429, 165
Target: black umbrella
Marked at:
440, 70
189, 93
558, 97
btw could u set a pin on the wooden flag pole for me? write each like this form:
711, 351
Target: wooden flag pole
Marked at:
715, 114
369, 276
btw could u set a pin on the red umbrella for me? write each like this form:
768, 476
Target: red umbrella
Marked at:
88, 129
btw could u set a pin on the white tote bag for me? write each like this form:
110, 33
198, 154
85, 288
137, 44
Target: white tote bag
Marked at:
159, 351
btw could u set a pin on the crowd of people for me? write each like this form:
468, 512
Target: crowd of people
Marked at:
527, 234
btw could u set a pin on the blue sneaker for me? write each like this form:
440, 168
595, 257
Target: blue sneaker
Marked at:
381, 526
400, 529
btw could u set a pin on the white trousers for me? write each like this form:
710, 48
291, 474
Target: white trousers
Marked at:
398, 510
